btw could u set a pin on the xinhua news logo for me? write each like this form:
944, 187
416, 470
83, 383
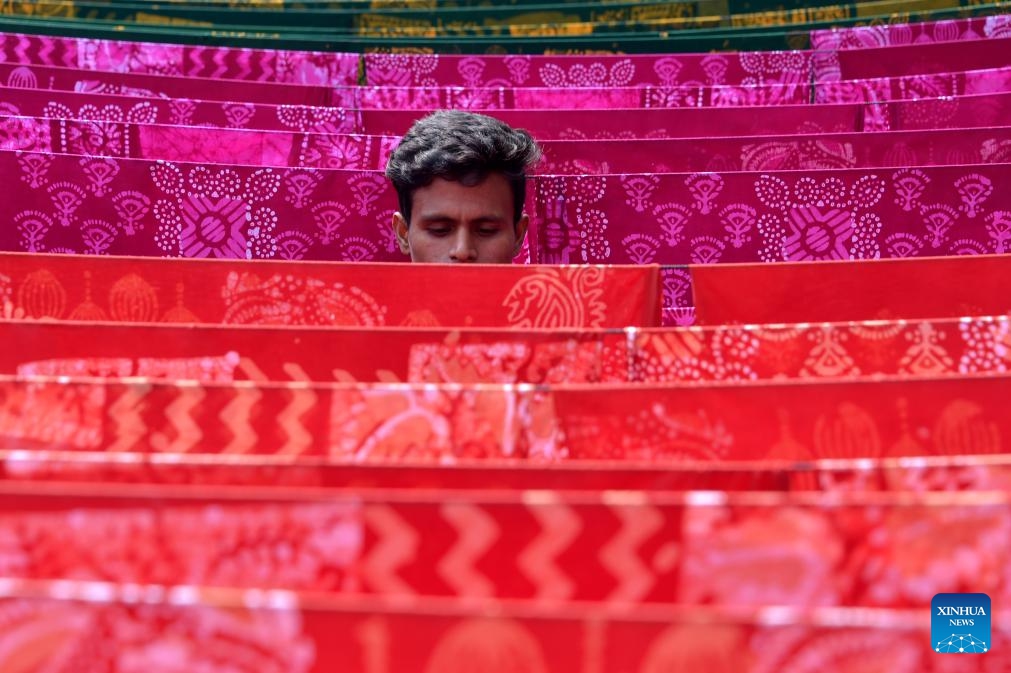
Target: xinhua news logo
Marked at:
960, 623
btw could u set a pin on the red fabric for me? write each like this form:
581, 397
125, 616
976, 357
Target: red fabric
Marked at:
301, 632
227, 354
239, 292
194, 61
869, 418
919, 474
840, 291
734, 550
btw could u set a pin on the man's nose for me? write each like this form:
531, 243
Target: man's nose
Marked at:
464, 248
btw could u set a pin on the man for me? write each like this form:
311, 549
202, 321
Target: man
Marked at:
461, 183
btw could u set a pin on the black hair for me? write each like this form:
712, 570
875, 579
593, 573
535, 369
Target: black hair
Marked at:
462, 147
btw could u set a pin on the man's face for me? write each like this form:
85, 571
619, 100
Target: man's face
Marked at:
451, 222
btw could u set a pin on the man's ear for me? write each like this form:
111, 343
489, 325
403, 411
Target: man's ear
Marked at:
400, 231
521, 232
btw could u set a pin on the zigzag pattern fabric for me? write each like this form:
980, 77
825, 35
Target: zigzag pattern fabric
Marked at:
739, 405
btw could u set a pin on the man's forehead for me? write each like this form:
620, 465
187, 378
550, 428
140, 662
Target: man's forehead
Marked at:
491, 198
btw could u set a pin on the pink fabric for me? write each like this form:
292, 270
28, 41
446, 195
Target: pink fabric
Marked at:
66, 203
138, 108
164, 86
264, 65
911, 87
923, 59
828, 43
96, 205
703, 218
126, 139
815, 151
951, 112
679, 123
923, 32
604, 71
679, 96
384, 97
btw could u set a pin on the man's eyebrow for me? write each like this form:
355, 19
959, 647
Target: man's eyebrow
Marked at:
488, 219
432, 218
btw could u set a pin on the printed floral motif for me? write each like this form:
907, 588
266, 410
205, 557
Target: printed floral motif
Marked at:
401, 69
620, 73
290, 300
23, 133
732, 560
215, 214
557, 298
821, 218
441, 424
33, 225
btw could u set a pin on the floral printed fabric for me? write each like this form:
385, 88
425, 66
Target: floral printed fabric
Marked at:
195, 61
702, 218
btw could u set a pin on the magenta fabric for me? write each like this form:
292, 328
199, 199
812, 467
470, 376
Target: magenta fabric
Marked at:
924, 32
812, 151
590, 71
99, 205
262, 65
119, 138
951, 112
829, 43
502, 98
383, 97
911, 87
177, 111
653, 123
816, 150
164, 86
66, 203
702, 218
923, 59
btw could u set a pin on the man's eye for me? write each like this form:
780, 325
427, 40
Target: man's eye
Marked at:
438, 231
488, 232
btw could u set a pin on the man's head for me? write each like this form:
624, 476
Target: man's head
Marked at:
461, 182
